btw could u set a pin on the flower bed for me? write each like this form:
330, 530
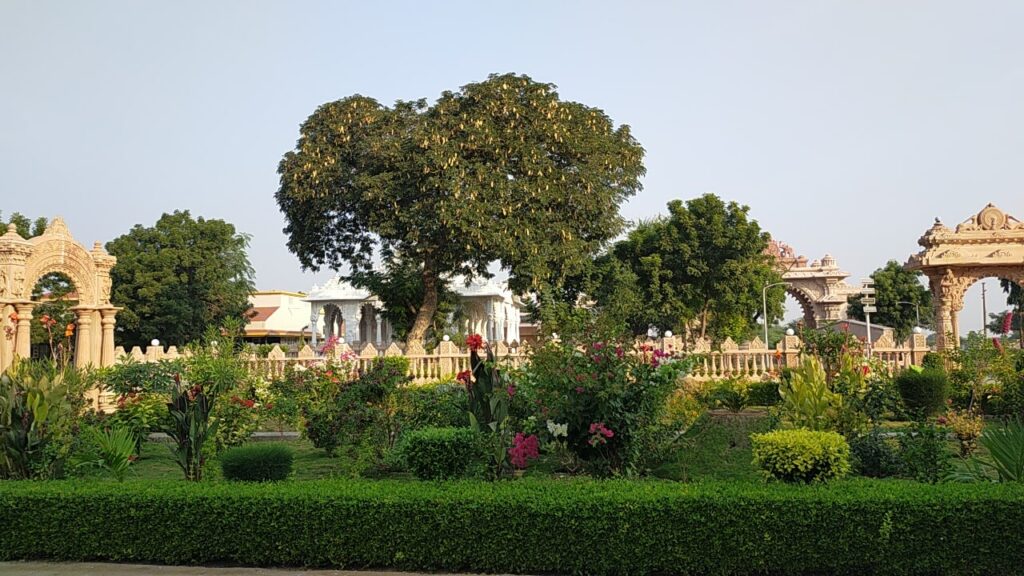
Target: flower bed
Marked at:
609, 527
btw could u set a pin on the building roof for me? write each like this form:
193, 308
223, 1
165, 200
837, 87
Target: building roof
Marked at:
262, 313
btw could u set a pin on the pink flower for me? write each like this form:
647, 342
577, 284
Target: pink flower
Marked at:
998, 344
1007, 322
618, 352
599, 434
511, 390
579, 389
524, 448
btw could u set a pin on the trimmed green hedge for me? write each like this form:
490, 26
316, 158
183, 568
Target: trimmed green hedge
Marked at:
534, 526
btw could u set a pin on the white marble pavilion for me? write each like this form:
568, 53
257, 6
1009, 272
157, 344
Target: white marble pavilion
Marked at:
355, 314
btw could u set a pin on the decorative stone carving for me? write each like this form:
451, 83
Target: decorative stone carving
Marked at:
988, 244
819, 287
23, 262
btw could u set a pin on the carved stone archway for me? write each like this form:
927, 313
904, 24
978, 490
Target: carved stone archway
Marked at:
819, 287
989, 244
23, 262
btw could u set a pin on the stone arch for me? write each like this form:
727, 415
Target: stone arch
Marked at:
819, 286
23, 262
806, 302
986, 245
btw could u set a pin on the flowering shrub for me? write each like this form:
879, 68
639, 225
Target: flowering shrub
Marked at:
524, 448
140, 414
610, 400
967, 426
237, 419
358, 411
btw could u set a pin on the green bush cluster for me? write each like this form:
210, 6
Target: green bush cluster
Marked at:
439, 453
530, 526
801, 455
440, 404
763, 393
924, 391
132, 376
257, 462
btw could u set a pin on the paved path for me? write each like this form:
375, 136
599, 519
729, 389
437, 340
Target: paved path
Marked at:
103, 569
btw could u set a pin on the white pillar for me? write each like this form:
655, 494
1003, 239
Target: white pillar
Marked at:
314, 318
378, 335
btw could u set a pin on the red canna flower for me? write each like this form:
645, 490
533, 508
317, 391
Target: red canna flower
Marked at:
475, 341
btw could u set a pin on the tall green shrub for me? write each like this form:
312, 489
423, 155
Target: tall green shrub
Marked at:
924, 391
439, 453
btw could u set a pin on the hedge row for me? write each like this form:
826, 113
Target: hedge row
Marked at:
612, 527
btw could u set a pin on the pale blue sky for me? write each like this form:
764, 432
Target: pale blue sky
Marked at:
846, 126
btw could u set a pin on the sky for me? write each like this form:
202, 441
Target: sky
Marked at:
847, 127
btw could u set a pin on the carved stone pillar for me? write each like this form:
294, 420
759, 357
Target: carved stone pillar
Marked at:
83, 344
378, 334
107, 321
943, 327
23, 334
353, 315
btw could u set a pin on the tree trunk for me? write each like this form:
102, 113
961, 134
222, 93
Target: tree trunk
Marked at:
418, 332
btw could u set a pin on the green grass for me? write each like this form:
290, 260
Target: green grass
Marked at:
717, 447
157, 463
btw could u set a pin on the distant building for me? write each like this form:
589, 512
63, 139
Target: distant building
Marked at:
278, 317
343, 310
859, 329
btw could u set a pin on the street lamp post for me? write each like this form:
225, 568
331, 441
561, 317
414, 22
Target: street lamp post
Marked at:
917, 311
764, 310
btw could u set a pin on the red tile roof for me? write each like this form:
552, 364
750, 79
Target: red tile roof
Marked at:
261, 314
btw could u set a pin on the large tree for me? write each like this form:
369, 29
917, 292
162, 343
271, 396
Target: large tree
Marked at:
700, 270
499, 171
899, 298
178, 278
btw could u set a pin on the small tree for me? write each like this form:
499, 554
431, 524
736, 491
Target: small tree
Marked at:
899, 297
700, 270
179, 278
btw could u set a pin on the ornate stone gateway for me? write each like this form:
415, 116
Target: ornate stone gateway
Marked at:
990, 244
819, 286
24, 262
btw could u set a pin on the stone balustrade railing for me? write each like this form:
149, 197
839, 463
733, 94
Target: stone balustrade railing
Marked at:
752, 360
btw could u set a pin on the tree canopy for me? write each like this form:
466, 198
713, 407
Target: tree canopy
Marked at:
27, 228
178, 278
699, 271
498, 171
899, 296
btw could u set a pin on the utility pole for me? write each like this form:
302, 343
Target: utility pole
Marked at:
984, 312
868, 290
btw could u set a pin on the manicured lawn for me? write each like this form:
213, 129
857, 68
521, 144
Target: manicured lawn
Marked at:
717, 447
157, 463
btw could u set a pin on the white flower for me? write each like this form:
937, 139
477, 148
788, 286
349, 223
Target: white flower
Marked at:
557, 430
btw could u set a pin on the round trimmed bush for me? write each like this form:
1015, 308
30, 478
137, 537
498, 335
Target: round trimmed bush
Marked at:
801, 455
439, 453
924, 391
257, 462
